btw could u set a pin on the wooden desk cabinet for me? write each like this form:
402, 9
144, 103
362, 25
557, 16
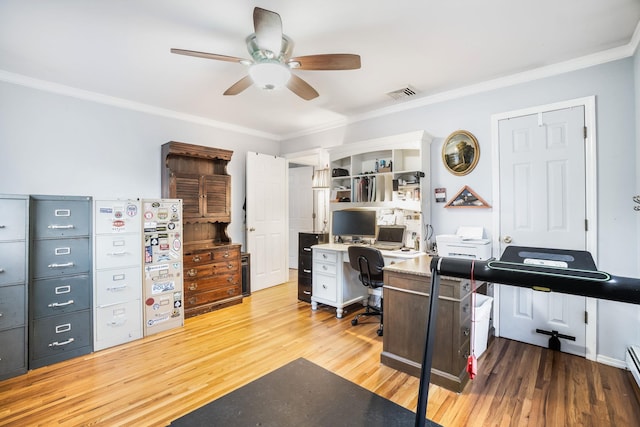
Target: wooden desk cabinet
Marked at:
406, 307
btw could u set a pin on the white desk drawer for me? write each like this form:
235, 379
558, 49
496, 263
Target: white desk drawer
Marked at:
323, 267
325, 256
325, 287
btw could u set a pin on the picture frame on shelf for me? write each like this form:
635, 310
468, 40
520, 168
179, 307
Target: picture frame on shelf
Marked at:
460, 152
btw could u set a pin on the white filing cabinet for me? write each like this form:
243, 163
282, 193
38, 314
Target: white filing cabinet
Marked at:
118, 272
332, 279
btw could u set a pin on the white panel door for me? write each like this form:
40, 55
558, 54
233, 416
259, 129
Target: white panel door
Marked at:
542, 191
300, 208
267, 219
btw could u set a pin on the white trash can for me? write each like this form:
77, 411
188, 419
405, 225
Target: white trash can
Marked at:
480, 325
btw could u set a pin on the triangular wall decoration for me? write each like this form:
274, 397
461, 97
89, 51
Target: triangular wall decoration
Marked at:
467, 198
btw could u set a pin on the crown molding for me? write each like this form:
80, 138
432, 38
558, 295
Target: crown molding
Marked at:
86, 95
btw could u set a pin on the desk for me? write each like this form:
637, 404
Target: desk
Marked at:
406, 290
335, 283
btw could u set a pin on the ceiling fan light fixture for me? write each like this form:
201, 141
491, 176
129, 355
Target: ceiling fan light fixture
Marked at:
270, 75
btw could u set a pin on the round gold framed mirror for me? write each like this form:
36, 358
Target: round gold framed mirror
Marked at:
460, 152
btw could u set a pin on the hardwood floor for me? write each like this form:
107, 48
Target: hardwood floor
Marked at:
152, 381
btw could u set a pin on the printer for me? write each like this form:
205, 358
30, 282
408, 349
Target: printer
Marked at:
468, 242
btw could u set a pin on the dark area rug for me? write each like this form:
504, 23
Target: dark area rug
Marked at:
300, 394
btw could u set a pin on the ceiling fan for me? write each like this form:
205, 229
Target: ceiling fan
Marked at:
271, 63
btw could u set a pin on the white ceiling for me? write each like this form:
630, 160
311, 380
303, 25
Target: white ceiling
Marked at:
120, 48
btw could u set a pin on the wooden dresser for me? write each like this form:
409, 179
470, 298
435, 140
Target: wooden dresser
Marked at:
212, 263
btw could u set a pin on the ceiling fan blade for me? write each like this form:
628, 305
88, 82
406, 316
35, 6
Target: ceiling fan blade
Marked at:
209, 55
268, 28
301, 88
335, 61
239, 86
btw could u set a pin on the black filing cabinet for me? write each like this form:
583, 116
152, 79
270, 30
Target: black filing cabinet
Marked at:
60, 289
305, 241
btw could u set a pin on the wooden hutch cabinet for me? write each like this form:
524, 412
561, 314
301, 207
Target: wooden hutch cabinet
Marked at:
212, 263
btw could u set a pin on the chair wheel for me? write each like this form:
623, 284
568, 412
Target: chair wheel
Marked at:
379, 332
354, 322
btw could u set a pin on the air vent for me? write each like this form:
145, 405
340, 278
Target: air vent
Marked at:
403, 93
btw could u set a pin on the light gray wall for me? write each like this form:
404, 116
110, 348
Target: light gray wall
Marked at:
613, 85
59, 145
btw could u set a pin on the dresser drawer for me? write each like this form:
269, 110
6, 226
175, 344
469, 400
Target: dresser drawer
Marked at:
61, 218
13, 219
325, 287
118, 285
60, 295
226, 253
228, 266
196, 272
212, 282
199, 298
59, 334
325, 256
12, 262
12, 306
118, 251
194, 259
60, 257
12, 351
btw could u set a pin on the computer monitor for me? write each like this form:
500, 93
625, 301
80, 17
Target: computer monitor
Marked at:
354, 223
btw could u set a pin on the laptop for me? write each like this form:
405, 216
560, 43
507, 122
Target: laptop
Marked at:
390, 237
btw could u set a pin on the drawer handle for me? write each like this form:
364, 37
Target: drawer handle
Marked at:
324, 267
466, 332
0, 314
306, 249
306, 271
118, 253
196, 258
230, 279
226, 255
231, 291
465, 355
193, 286
1, 270
2, 226
192, 300
63, 328
117, 288
229, 266
306, 292
60, 227
58, 344
324, 256
192, 272
66, 264
62, 289
324, 286
465, 309
60, 304
117, 322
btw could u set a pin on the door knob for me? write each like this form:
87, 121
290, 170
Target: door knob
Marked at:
252, 229
507, 239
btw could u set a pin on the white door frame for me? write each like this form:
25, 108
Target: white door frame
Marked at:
591, 186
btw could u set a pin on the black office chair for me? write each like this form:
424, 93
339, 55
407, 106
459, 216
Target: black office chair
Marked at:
368, 262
